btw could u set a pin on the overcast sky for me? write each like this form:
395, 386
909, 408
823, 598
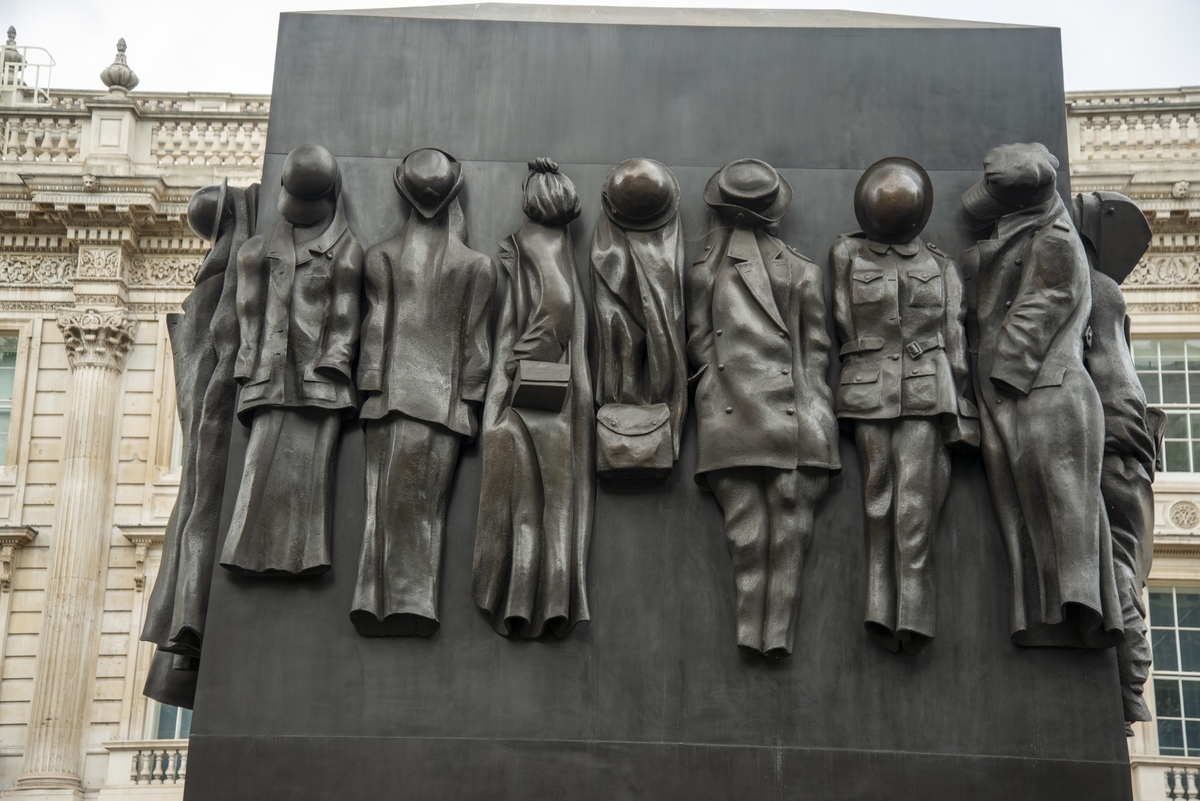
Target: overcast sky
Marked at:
229, 45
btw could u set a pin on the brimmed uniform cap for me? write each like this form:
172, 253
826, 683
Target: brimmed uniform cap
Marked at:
1015, 177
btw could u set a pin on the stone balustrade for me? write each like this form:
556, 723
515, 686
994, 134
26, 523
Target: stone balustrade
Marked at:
1134, 126
146, 768
193, 129
1164, 778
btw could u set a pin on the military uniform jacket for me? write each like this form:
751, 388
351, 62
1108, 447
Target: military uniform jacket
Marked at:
757, 338
298, 313
899, 313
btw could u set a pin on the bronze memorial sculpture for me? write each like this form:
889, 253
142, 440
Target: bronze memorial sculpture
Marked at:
766, 432
899, 311
637, 293
538, 492
425, 357
204, 343
1041, 418
1115, 235
297, 297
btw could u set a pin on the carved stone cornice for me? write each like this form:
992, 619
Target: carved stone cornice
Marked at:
1166, 270
163, 271
142, 538
97, 338
11, 539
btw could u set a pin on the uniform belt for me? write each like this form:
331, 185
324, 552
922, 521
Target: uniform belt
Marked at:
920, 346
861, 345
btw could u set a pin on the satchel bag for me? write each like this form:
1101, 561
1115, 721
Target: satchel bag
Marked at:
634, 441
541, 385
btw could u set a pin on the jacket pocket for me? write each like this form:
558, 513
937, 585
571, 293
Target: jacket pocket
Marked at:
256, 390
924, 288
859, 390
634, 441
867, 285
318, 390
919, 389
1051, 375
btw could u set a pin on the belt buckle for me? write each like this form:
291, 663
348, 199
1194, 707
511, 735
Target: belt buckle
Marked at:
914, 349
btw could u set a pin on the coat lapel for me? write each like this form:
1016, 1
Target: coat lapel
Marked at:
744, 252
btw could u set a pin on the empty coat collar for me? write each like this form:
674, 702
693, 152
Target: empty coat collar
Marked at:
325, 242
907, 250
748, 258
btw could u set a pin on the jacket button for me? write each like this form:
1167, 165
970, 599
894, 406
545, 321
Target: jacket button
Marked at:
791, 410
718, 332
785, 371
329, 255
915, 371
783, 334
1018, 262
999, 401
720, 367
858, 378
1008, 305
728, 410
894, 357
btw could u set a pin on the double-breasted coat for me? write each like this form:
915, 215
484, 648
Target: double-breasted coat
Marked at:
299, 312
757, 338
1042, 427
900, 319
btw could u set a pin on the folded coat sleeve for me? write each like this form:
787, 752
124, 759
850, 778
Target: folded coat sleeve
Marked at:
377, 292
1054, 282
343, 322
814, 337
698, 285
965, 431
839, 266
477, 333
251, 304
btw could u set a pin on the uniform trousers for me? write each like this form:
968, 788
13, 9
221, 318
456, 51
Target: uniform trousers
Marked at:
906, 475
768, 525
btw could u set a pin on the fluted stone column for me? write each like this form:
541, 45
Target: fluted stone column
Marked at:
98, 343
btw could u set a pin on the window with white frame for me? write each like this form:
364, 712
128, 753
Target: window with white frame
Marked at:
1170, 373
170, 722
1175, 638
8, 379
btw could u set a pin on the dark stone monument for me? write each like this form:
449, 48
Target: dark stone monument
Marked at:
650, 699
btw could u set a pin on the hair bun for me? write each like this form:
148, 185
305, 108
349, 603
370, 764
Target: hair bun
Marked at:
542, 164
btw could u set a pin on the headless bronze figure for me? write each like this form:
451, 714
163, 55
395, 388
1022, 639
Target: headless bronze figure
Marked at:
899, 313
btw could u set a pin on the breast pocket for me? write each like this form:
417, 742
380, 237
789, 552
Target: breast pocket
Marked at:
925, 288
859, 390
867, 286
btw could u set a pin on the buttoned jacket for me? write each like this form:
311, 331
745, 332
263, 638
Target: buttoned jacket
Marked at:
298, 309
899, 312
758, 343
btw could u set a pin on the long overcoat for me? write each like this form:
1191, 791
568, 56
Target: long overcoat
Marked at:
1042, 428
298, 308
758, 343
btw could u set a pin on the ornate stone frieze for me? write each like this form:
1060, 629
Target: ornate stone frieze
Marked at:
1171, 269
99, 263
1183, 307
98, 338
29, 269
163, 271
1185, 515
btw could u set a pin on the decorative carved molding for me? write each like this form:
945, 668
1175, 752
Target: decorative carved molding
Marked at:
142, 538
1173, 269
1182, 307
11, 539
99, 263
28, 269
97, 338
163, 271
1185, 515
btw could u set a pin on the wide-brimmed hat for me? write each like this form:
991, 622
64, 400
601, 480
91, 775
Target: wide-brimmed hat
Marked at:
749, 192
311, 184
1015, 177
205, 209
640, 195
893, 200
429, 179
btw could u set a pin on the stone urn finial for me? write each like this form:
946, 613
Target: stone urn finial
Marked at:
118, 75
12, 35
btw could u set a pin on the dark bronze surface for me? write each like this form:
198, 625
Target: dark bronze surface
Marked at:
204, 342
423, 367
899, 311
1115, 235
637, 292
299, 283
767, 438
649, 699
538, 490
1041, 417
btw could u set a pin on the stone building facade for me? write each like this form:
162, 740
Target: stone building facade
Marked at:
95, 252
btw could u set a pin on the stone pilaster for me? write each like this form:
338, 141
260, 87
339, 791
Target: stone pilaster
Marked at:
98, 344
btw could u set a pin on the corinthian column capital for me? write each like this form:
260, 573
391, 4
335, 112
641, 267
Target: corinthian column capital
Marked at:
97, 338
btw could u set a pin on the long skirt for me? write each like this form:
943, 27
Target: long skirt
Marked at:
284, 513
410, 467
